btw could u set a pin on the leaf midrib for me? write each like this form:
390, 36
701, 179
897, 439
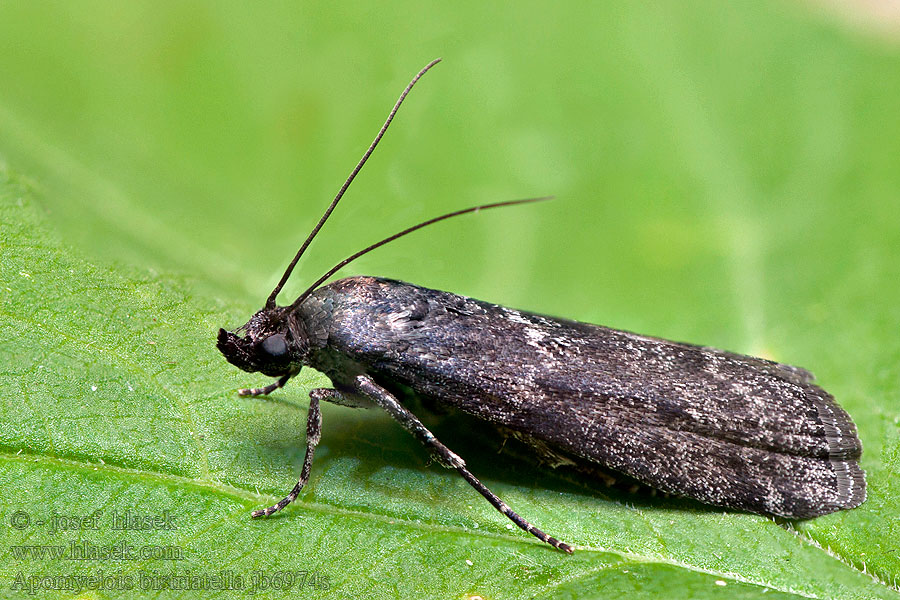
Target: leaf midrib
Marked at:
244, 495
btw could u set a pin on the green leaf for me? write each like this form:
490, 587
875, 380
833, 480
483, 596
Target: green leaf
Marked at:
724, 175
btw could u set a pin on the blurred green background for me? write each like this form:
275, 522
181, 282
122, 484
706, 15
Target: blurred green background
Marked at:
725, 174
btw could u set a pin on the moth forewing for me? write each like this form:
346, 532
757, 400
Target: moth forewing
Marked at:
719, 427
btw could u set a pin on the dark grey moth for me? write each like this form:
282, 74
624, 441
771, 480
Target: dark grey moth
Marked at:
722, 428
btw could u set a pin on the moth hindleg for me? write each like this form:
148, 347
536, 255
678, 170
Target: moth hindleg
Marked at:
445, 456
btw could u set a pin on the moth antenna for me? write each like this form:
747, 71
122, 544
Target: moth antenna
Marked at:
270, 302
386, 240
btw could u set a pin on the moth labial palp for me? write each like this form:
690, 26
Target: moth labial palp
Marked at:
722, 428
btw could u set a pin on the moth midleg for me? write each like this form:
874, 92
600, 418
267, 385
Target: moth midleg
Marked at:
313, 435
384, 399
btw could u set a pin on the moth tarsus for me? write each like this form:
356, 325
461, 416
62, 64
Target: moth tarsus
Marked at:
723, 428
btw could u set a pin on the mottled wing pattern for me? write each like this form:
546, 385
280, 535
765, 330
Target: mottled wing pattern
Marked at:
722, 428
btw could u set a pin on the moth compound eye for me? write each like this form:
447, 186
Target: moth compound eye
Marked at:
275, 345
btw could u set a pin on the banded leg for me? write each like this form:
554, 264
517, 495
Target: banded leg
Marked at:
447, 457
313, 435
265, 391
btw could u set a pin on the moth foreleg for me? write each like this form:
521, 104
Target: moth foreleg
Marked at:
265, 391
445, 456
313, 435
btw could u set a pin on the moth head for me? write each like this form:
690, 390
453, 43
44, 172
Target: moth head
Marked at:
270, 342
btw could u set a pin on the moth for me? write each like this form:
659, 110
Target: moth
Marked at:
725, 429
